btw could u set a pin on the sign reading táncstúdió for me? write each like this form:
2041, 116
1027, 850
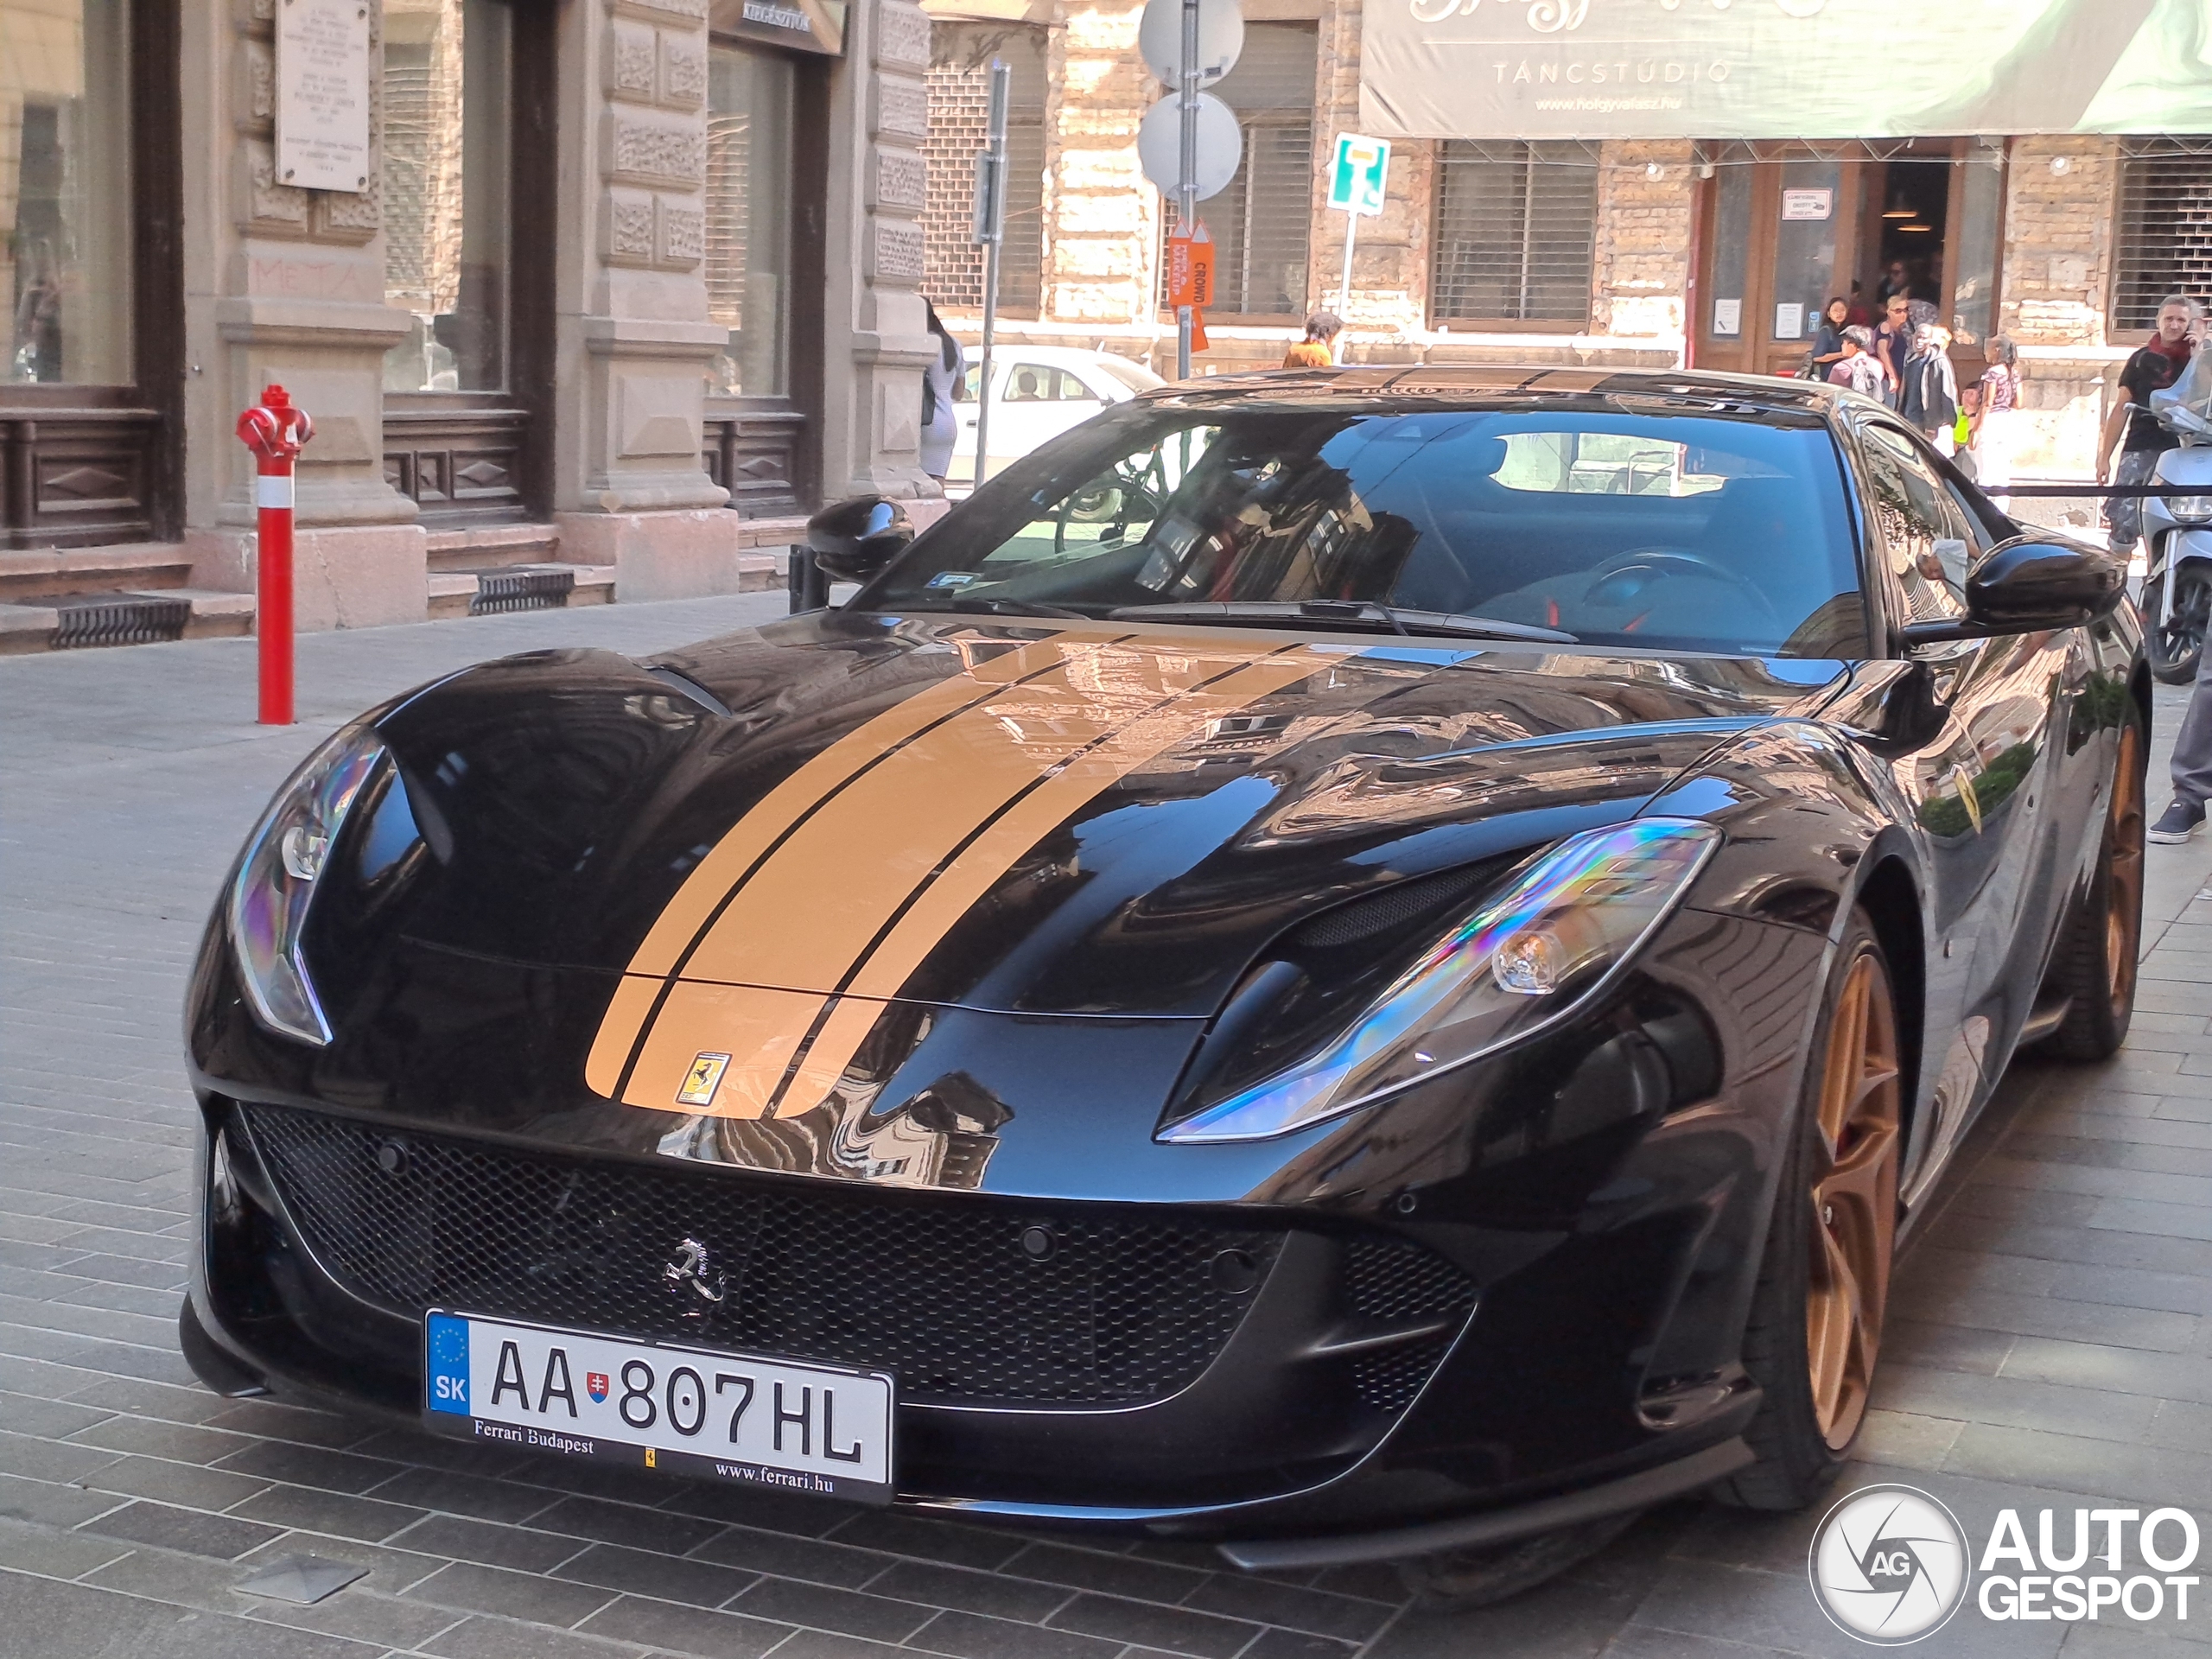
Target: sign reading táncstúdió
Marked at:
1595, 69
322, 94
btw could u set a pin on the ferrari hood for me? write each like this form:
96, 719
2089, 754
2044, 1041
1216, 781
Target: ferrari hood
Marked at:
771, 843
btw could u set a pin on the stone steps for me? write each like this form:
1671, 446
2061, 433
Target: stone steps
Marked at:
491, 546
59, 622
52, 599
133, 567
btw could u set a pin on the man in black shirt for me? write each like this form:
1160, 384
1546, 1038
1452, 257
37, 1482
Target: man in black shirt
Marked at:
1893, 342
2154, 367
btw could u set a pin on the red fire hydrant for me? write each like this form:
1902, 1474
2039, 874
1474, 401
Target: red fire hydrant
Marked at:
275, 432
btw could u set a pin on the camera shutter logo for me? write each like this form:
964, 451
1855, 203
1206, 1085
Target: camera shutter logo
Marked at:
1889, 1565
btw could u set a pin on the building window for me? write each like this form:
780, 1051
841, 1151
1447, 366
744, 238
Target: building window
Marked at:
1514, 224
2165, 237
749, 188
1262, 223
66, 189
447, 106
959, 94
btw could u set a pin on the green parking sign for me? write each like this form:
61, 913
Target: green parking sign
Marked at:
1356, 180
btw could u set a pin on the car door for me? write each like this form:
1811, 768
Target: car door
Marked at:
1026, 412
1981, 785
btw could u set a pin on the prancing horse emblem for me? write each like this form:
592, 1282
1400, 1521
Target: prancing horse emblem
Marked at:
694, 1280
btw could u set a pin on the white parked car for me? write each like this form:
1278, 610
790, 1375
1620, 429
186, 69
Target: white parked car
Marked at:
1037, 393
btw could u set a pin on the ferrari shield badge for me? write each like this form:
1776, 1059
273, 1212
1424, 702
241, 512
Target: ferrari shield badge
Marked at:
704, 1078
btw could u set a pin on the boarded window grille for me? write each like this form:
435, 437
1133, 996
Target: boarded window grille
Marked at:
2165, 236
1514, 228
959, 96
1262, 223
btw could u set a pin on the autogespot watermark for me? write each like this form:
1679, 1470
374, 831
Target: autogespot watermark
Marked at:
1891, 1565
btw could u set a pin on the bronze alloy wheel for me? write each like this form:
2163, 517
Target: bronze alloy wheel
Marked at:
1855, 1200
2124, 853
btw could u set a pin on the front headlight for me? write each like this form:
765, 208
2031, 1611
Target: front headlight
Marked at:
2189, 509
277, 880
1524, 960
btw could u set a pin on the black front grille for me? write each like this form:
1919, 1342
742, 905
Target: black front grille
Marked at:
1394, 1283
1102, 1306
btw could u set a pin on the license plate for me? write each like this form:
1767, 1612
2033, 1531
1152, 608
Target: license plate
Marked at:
689, 1411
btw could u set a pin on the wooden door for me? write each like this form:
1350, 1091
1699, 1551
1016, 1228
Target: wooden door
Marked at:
1781, 238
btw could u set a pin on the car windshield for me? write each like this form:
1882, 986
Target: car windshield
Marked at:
1612, 520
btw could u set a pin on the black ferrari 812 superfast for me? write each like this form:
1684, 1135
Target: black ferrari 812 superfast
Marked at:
1361, 964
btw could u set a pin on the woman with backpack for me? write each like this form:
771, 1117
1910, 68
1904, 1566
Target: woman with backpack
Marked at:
1929, 398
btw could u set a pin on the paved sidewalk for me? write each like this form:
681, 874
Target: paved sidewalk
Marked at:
2052, 1345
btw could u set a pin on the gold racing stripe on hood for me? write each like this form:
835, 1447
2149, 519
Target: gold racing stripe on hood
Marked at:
678, 928
752, 837
944, 899
840, 906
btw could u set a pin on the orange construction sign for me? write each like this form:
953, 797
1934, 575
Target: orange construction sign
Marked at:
1189, 268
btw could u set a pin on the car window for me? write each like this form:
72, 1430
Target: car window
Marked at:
1924, 531
1741, 544
1029, 383
1600, 463
966, 391
1070, 389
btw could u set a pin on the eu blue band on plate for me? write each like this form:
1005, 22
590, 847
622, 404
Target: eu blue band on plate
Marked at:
447, 1379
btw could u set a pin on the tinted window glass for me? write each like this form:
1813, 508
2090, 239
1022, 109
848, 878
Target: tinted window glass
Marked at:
1924, 529
1701, 530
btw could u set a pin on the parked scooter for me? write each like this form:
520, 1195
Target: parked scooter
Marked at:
2178, 530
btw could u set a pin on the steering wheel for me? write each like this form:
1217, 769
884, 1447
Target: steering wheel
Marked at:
1674, 561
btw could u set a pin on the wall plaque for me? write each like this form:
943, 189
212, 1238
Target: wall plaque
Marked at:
322, 94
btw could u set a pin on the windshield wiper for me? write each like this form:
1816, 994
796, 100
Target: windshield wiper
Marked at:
978, 605
1343, 613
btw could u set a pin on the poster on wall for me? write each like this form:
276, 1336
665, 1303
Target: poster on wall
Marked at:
1788, 321
1727, 317
1533, 69
1808, 204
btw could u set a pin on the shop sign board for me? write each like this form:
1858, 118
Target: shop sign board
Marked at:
1714, 69
1808, 204
322, 94
1357, 178
817, 26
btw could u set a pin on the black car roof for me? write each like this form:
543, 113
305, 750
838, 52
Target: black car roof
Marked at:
1499, 385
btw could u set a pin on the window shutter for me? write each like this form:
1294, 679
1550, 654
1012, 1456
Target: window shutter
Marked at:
1262, 223
959, 93
2165, 236
1514, 226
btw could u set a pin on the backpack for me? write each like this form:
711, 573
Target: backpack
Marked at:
1938, 408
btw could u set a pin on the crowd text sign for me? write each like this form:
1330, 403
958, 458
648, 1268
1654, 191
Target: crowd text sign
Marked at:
1776, 68
322, 94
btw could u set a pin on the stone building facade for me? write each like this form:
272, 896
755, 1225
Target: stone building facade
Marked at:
629, 286
2057, 224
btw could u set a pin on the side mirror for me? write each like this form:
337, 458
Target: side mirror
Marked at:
854, 538
2025, 586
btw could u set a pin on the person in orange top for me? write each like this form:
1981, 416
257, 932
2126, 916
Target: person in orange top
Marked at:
1318, 349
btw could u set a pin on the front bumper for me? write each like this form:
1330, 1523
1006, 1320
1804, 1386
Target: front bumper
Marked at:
1597, 1200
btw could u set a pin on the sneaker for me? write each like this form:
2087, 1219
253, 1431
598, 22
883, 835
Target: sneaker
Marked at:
2180, 821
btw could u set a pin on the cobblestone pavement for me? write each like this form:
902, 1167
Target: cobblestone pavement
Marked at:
2052, 1344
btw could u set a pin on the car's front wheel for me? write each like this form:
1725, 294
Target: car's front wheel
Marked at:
1815, 1330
